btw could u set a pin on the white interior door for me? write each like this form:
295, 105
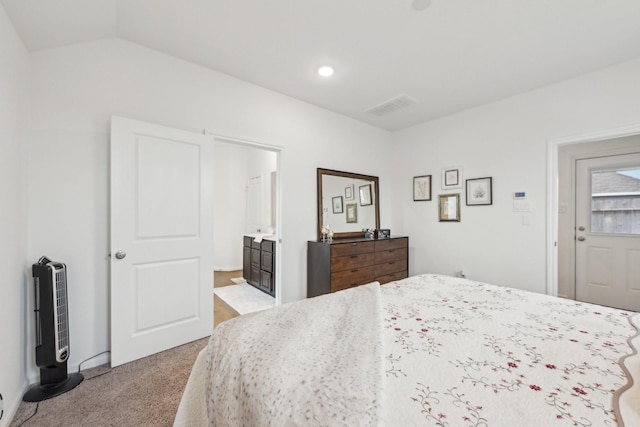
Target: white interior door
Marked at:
608, 231
161, 238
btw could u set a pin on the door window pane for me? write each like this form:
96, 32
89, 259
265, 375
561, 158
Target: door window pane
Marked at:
615, 201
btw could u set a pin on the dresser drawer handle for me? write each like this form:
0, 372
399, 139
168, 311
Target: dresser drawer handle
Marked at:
354, 271
392, 262
391, 250
354, 256
354, 244
353, 285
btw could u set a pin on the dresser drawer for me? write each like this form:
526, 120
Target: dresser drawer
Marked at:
247, 241
391, 255
343, 249
349, 278
390, 267
352, 261
392, 276
386, 244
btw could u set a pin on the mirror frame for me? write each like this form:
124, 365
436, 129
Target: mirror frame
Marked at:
341, 235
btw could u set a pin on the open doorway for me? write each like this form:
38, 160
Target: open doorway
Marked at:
246, 192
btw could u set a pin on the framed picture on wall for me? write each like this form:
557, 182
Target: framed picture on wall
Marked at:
337, 204
421, 188
449, 207
352, 212
365, 195
348, 192
479, 191
452, 177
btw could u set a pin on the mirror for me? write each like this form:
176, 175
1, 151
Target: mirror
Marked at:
348, 202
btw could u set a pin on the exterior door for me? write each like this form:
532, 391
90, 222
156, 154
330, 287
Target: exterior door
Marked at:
161, 238
608, 231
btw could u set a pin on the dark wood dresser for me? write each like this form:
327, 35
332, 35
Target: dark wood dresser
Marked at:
258, 264
345, 263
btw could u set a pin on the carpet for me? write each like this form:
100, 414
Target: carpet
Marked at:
244, 298
142, 393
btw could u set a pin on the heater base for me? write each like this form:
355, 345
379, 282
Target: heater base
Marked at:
38, 392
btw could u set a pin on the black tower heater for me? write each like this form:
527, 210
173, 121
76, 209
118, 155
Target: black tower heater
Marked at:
52, 332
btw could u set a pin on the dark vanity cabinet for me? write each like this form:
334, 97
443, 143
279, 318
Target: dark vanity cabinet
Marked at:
258, 264
345, 263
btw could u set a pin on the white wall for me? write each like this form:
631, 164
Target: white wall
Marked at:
234, 164
506, 140
262, 163
14, 290
76, 89
229, 188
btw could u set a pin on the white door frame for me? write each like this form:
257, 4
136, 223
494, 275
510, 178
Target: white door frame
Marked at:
553, 145
279, 151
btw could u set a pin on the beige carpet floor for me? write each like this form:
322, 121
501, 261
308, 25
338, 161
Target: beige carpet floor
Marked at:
142, 393
145, 392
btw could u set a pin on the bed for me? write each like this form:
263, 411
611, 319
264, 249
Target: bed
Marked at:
426, 350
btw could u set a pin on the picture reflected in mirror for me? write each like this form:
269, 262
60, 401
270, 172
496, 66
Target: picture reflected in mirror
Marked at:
347, 202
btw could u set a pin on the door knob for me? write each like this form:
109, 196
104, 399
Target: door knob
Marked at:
121, 254
581, 238
581, 228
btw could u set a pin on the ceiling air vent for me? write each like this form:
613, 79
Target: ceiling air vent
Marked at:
391, 105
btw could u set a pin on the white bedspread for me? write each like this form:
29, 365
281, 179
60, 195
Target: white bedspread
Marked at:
452, 352
463, 353
314, 362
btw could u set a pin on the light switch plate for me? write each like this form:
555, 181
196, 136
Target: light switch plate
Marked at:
522, 206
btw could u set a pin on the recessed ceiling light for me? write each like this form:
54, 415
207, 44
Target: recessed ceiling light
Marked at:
420, 4
325, 71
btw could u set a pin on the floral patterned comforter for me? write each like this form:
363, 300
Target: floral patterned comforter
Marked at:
471, 354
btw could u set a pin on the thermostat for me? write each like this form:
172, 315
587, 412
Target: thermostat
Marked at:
519, 195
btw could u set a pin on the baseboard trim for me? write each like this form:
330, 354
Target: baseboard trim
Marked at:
10, 412
227, 268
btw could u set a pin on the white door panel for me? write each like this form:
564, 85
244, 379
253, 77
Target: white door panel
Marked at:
607, 233
161, 217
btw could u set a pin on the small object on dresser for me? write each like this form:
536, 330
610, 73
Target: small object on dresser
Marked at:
325, 230
383, 233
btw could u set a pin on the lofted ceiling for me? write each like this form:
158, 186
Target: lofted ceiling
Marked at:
451, 56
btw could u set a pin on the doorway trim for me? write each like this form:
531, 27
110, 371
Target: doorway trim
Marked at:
279, 151
553, 146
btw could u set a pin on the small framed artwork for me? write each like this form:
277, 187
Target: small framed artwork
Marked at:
352, 212
421, 188
348, 192
452, 177
479, 191
337, 204
449, 207
365, 195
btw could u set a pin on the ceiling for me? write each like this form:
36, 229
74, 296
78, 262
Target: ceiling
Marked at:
454, 55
